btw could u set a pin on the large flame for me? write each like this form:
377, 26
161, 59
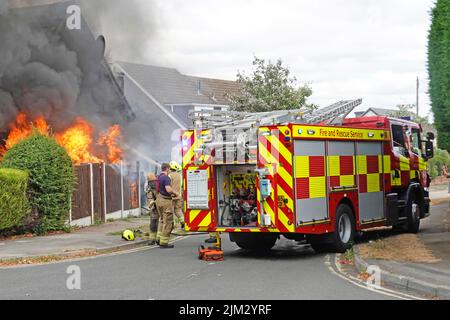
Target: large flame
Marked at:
78, 139
22, 128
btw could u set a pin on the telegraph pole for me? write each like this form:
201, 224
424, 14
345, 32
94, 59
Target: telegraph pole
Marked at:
417, 95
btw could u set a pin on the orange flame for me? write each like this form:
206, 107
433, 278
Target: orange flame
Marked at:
78, 139
111, 139
22, 128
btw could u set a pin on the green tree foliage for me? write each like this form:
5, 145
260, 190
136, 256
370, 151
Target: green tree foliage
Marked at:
436, 165
14, 204
408, 111
270, 87
439, 70
51, 178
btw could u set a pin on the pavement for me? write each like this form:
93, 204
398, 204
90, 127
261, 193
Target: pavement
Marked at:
289, 272
96, 238
429, 279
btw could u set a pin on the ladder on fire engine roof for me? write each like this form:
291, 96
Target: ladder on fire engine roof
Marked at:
234, 135
215, 119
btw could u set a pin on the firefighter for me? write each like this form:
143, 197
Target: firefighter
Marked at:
176, 179
151, 201
165, 206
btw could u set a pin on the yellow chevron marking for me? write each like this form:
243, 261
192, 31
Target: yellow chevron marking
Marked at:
285, 221
206, 221
266, 154
282, 193
193, 214
286, 176
281, 148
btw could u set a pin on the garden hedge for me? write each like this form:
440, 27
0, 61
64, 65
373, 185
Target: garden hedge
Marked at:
52, 179
14, 204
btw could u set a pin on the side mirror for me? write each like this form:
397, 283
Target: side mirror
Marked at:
429, 146
430, 136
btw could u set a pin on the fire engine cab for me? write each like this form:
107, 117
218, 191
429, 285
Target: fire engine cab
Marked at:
318, 176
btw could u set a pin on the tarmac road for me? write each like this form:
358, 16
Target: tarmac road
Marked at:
291, 271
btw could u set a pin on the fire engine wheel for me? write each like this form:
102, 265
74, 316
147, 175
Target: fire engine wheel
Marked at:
413, 215
344, 230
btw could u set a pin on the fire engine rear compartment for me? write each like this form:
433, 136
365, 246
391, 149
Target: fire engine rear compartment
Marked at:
236, 196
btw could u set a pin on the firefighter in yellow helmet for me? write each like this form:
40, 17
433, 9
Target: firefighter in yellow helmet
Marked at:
165, 206
177, 180
151, 201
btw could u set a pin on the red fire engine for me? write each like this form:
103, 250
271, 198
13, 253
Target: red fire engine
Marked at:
316, 176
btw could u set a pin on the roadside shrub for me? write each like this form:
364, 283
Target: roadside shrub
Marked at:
437, 164
51, 179
14, 204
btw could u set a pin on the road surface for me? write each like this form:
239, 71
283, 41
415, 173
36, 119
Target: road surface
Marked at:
291, 271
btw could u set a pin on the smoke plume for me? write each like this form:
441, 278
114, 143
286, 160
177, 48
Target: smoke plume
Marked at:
126, 24
51, 71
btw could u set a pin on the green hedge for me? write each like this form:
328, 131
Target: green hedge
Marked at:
51, 179
14, 204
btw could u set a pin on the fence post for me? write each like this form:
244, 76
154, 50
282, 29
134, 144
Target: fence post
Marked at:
91, 172
70, 210
121, 189
104, 192
138, 169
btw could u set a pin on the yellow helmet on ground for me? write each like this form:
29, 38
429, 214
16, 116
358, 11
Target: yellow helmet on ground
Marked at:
128, 235
175, 166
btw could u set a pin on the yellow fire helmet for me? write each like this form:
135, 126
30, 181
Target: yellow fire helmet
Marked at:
175, 166
128, 235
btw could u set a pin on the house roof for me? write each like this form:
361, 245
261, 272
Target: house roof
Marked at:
170, 87
379, 111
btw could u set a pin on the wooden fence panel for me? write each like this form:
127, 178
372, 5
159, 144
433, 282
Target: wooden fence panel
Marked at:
113, 193
99, 209
81, 199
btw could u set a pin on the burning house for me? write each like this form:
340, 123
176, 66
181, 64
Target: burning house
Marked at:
161, 99
57, 80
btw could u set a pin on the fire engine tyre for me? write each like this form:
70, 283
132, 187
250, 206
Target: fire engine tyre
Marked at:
342, 238
413, 212
256, 242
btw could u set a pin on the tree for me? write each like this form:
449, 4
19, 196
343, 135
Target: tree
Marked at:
439, 70
407, 110
270, 87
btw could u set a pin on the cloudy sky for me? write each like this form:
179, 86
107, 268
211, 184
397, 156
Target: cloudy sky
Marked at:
372, 49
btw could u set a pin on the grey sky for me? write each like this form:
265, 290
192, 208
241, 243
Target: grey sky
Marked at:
372, 49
